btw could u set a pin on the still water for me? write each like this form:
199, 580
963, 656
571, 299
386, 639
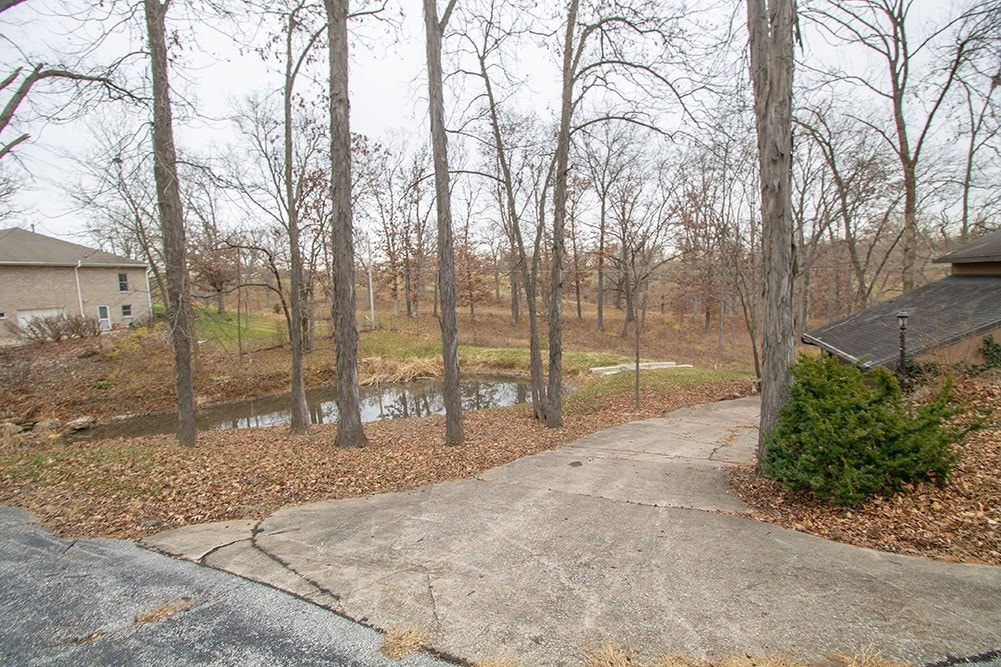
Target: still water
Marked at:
389, 401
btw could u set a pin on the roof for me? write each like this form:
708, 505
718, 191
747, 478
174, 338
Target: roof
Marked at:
985, 249
21, 247
941, 313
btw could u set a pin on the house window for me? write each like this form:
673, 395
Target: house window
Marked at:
127, 310
123, 282
3, 316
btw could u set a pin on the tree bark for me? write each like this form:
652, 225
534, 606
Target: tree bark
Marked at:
446, 255
601, 265
770, 30
349, 428
299, 410
171, 223
554, 408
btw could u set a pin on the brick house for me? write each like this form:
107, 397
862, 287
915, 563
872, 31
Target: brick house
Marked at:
41, 276
947, 319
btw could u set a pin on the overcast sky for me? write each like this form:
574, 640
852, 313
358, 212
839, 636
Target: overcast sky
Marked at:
387, 94
387, 81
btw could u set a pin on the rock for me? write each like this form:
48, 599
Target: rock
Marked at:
150, 524
80, 423
48, 425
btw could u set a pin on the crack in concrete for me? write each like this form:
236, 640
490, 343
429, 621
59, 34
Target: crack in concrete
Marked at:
68, 547
637, 503
288, 566
434, 601
215, 549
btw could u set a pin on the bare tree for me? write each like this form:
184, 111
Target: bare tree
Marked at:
294, 60
885, 28
433, 28
861, 191
349, 427
212, 263
982, 124
117, 190
171, 222
38, 74
770, 26
606, 153
520, 188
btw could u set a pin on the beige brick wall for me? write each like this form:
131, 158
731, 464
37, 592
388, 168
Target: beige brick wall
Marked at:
37, 287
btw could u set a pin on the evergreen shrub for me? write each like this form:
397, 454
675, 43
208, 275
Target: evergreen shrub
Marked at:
847, 436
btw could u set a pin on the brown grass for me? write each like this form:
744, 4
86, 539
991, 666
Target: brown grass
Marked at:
380, 370
611, 655
163, 611
401, 642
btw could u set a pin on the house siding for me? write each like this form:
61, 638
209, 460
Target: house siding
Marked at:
24, 288
964, 352
977, 269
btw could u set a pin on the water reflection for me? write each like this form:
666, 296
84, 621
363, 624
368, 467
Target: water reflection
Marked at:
413, 399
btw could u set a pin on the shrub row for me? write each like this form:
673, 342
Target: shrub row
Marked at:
55, 328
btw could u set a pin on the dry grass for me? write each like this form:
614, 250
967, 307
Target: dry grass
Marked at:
380, 370
870, 658
402, 642
611, 655
163, 611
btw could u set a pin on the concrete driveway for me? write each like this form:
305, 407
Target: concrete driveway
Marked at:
627, 536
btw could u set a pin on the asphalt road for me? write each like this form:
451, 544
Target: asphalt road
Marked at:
110, 602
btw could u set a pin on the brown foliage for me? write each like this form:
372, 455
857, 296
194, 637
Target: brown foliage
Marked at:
127, 488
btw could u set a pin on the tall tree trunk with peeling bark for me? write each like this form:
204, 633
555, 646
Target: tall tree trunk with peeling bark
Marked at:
171, 222
771, 24
349, 428
447, 293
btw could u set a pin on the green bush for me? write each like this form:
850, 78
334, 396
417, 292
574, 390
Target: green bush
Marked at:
847, 436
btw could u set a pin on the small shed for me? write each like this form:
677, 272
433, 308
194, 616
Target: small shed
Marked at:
948, 317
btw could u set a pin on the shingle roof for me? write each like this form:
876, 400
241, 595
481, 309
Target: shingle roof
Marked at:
19, 246
941, 313
985, 249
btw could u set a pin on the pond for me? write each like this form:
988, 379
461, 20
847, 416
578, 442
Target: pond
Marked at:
378, 402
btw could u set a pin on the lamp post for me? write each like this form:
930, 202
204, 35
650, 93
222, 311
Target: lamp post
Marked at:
902, 316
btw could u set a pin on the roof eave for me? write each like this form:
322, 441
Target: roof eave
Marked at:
82, 265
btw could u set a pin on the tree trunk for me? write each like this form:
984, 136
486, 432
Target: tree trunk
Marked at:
171, 223
771, 60
298, 408
554, 409
601, 265
446, 256
349, 428
515, 297
910, 251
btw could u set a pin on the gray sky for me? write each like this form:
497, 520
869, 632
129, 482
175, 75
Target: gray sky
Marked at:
387, 94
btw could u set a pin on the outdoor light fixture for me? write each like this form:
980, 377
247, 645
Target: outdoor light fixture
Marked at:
902, 316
